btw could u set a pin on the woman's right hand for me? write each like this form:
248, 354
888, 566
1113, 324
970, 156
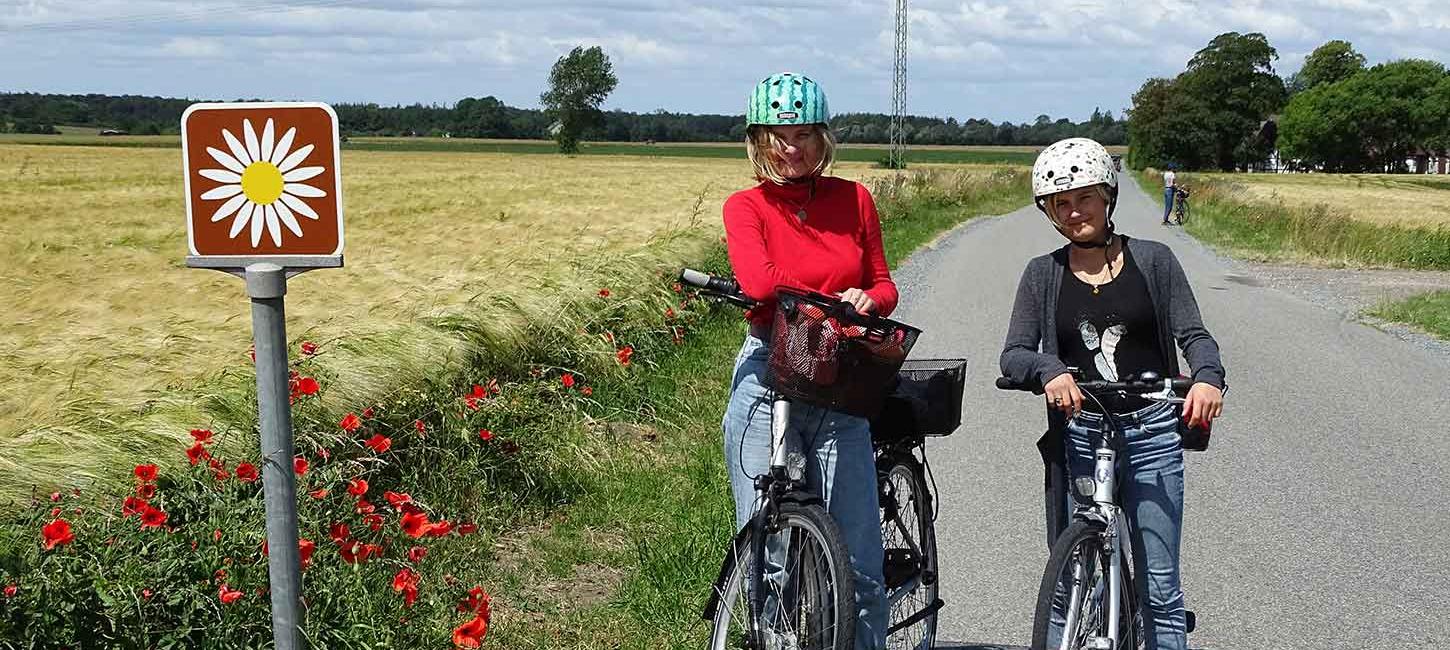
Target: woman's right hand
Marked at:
1062, 394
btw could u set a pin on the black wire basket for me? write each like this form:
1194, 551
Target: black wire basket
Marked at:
926, 401
824, 353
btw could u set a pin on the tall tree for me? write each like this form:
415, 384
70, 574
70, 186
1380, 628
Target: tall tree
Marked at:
578, 84
1329, 63
1234, 78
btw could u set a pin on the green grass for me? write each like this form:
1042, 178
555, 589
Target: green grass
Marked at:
1429, 312
1225, 218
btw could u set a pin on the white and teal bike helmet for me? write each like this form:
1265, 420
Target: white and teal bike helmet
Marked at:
787, 98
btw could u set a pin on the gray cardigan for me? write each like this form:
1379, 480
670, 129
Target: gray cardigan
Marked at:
1034, 317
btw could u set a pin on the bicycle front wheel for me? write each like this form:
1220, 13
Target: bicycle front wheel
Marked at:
1182, 213
908, 536
1072, 601
808, 592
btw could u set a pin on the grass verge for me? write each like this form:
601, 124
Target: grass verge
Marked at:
1226, 217
1429, 312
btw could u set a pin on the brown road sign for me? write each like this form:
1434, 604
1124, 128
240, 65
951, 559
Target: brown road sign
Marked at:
262, 180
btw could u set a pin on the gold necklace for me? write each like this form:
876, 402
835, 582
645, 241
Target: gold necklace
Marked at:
1108, 262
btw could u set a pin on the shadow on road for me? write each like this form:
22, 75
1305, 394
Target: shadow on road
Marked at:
952, 645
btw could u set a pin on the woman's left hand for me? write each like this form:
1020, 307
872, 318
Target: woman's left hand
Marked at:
858, 299
1203, 403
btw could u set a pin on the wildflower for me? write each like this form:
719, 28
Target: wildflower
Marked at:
57, 533
623, 355
374, 522
568, 380
338, 532
415, 525
221, 574
350, 422
379, 443
416, 554
216, 535
604, 293
677, 288
609, 337
440, 529
319, 493
146, 491
470, 634
308, 386
467, 529
357, 487
669, 312
11, 590
145, 594
586, 391
55, 496
324, 453
246, 472
406, 582
419, 427
368, 413
228, 595
221, 473
477, 602
365, 507
309, 348
300, 465
196, 453
485, 434
479, 392
202, 436
147, 473
395, 499
152, 518
305, 548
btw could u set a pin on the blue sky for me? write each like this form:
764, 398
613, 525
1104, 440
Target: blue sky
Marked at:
1009, 60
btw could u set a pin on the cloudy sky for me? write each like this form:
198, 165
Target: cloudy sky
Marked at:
1007, 60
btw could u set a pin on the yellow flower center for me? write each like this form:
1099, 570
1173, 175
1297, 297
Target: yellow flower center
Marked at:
262, 182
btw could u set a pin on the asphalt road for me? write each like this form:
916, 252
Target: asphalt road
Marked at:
1320, 516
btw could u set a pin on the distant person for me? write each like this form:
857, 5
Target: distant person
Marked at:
798, 227
1114, 307
1170, 188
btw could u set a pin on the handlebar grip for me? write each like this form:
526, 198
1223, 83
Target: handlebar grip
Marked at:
1006, 383
709, 282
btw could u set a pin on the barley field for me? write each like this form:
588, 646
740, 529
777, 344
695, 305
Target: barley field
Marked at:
1387, 199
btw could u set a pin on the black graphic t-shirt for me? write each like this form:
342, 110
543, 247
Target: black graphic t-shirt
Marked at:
1112, 334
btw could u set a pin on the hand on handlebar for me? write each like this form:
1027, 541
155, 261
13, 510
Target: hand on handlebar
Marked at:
858, 299
1062, 394
1203, 403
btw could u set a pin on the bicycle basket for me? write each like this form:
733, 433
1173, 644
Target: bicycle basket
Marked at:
927, 401
825, 354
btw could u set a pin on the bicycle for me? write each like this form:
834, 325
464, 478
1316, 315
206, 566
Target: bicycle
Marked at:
1180, 204
810, 602
1088, 582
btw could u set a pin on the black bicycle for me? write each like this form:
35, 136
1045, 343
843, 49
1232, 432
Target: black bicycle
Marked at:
1180, 204
1086, 600
786, 581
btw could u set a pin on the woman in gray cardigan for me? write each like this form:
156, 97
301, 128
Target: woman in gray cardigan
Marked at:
1113, 306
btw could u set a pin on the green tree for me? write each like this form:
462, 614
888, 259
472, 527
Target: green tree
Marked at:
1329, 63
1233, 77
578, 84
1370, 121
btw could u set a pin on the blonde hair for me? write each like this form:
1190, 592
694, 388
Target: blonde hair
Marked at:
761, 145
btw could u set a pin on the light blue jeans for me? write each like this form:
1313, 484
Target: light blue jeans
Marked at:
1150, 491
840, 467
1168, 196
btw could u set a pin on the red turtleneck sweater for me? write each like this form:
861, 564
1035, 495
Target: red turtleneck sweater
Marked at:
837, 246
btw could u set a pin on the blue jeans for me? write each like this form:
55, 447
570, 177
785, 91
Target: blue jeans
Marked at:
840, 467
1168, 195
1150, 491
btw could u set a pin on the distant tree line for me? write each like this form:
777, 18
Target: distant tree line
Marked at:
1229, 111
487, 117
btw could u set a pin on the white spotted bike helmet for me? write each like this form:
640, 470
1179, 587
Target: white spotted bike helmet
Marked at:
1071, 164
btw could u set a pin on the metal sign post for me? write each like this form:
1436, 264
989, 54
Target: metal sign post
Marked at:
264, 202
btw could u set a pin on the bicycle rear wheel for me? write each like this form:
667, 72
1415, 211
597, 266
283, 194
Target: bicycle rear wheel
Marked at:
809, 592
1182, 212
1074, 591
908, 536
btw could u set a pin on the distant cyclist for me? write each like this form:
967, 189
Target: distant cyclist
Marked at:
1114, 307
1170, 191
801, 228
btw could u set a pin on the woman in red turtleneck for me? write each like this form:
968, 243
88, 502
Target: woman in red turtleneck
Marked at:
800, 228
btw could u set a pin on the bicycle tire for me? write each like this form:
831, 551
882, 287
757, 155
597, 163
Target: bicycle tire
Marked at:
1182, 212
911, 573
1083, 539
831, 581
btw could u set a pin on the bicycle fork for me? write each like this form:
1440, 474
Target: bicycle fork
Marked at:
777, 478
1102, 487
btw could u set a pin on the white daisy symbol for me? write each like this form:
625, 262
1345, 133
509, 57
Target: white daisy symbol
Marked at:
262, 183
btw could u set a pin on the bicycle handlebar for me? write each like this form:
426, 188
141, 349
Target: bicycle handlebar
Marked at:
1142, 385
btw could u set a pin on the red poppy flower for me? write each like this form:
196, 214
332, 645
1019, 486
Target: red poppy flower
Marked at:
300, 465
623, 355
669, 312
338, 532
364, 507
57, 533
305, 548
152, 518
368, 412
357, 487
467, 529
471, 403
146, 473
677, 288
416, 554
221, 474
196, 453
246, 472
568, 380
485, 434
603, 293
415, 525
478, 602
586, 391
201, 435
395, 499
308, 386
405, 581
324, 453
373, 522
216, 535
221, 574
132, 506
55, 496
228, 595
215, 463
440, 529
145, 594
350, 422
309, 348
349, 551
319, 493
11, 590
418, 425
146, 491
379, 443
470, 634
609, 337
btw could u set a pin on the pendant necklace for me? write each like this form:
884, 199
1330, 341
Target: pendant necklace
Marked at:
800, 212
1108, 260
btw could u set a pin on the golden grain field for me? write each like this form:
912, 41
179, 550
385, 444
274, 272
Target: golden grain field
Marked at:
1391, 199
